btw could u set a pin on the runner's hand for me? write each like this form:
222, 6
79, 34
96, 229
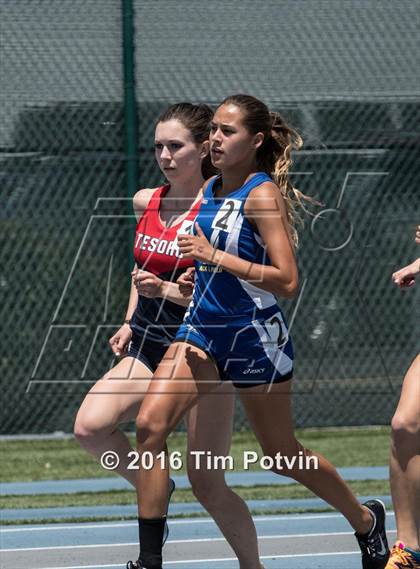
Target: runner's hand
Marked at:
406, 277
186, 282
120, 340
147, 284
196, 246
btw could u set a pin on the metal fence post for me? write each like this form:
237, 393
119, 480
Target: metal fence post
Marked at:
130, 105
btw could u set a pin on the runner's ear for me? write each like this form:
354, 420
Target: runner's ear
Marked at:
205, 149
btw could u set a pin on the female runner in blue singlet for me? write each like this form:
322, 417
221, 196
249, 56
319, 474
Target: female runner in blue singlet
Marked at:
155, 311
404, 465
243, 247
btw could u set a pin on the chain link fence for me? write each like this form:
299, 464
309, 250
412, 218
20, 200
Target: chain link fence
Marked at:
343, 73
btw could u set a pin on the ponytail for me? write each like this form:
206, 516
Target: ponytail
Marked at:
275, 158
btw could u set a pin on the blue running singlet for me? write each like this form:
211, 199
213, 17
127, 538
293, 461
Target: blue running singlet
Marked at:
236, 323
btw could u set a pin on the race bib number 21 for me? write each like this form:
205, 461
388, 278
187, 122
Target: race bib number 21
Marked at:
226, 217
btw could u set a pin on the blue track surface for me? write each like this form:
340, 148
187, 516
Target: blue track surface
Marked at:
306, 541
174, 509
118, 483
303, 541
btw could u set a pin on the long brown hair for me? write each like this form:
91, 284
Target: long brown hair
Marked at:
196, 119
274, 156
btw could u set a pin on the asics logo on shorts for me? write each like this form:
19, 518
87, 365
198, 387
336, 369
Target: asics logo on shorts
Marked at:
253, 371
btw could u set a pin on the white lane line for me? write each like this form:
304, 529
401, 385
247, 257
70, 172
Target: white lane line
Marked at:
178, 541
192, 521
215, 560
61, 528
218, 560
57, 547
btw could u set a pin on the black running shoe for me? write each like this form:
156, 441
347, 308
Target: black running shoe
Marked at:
137, 564
133, 565
374, 545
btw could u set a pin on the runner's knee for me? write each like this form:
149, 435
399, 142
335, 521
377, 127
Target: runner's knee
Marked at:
151, 433
206, 485
403, 427
90, 427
